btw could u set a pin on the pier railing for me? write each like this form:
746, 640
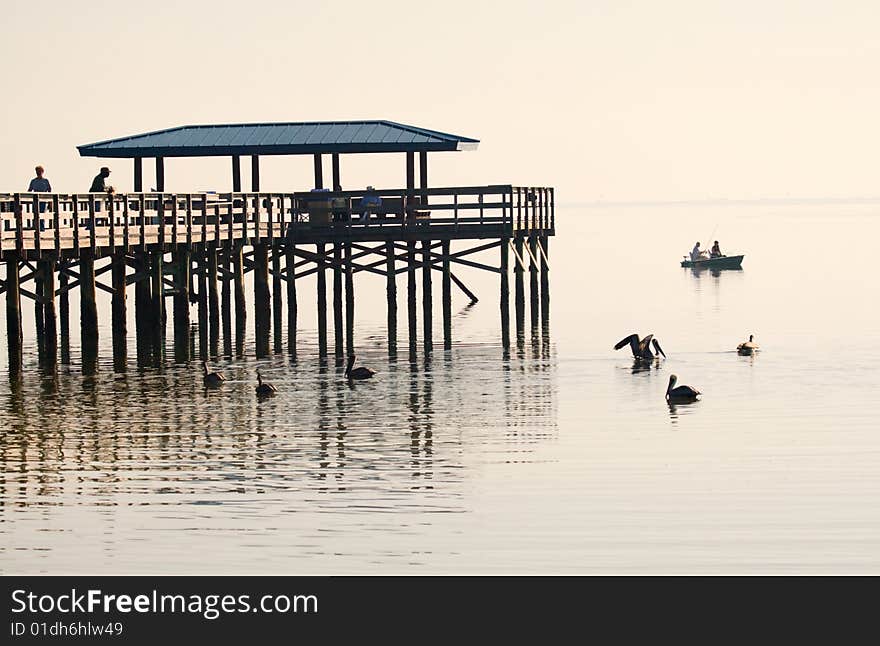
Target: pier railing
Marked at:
37, 222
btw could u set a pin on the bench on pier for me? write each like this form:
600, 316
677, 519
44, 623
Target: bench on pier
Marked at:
342, 209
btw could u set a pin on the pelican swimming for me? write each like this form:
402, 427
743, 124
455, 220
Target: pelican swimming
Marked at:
358, 373
641, 349
680, 393
264, 388
212, 378
747, 347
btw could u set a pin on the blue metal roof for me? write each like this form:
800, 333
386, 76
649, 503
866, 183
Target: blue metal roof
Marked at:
279, 139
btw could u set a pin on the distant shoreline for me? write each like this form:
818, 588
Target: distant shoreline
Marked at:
728, 202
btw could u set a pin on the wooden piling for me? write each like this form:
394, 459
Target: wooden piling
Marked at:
545, 282
337, 299
238, 281
182, 273
533, 280
411, 291
277, 303
519, 286
39, 314
213, 298
505, 293
349, 302
427, 298
64, 314
13, 315
143, 303
290, 261
226, 301
118, 305
202, 274
262, 313
322, 292
391, 295
88, 312
446, 295
157, 292
50, 331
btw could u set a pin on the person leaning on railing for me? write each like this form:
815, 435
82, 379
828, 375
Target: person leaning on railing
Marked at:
99, 185
39, 184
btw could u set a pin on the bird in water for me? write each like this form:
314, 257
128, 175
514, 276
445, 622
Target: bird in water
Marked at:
357, 373
680, 393
749, 347
212, 378
641, 349
264, 389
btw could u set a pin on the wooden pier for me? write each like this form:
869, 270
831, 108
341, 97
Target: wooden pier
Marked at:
186, 247
197, 248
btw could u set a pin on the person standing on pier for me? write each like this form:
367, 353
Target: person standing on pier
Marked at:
98, 185
39, 184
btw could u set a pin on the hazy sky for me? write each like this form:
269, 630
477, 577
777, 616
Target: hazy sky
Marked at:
606, 100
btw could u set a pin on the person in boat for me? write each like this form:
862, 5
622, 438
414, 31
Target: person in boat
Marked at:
716, 251
697, 253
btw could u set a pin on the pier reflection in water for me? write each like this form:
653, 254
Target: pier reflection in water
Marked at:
147, 470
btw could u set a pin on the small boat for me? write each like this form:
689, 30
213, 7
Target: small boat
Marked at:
719, 262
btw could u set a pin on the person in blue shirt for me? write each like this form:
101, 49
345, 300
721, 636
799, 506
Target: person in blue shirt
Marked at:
39, 184
370, 202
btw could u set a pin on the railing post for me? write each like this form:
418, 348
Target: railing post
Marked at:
270, 203
143, 222
160, 214
552, 208
36, 221
229, 223
75, 217
173, 218
256, 204
204, 214
125, 217
189, 219
111, 214
92, 222
56, 222
19, 224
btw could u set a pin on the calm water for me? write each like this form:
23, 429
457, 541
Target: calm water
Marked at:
557, 459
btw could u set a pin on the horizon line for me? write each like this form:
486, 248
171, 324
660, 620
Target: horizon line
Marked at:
730, 201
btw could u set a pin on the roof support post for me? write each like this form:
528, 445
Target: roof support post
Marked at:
423, 176
410, 173
160, 174
138, 174
410, 181
319, 171
255, 173
337, 184
236, 174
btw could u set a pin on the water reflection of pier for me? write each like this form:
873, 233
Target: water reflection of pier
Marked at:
158, 438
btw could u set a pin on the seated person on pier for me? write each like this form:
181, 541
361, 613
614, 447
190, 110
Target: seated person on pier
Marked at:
370, 202
716, 251
98, 184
